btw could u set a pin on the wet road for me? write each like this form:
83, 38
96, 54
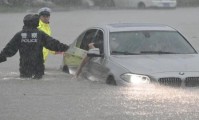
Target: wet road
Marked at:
59, 97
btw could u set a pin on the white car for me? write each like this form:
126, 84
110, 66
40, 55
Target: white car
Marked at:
135, 54
145, 3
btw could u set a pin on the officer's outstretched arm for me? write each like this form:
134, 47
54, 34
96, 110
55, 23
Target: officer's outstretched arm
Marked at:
2, 58
53, 44
10, 49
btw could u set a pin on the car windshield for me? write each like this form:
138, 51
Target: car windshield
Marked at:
149, 42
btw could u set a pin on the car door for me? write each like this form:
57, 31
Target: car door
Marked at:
78, 49
95, 68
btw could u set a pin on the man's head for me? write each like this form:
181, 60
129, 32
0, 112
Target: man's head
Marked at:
44, 14
31, 20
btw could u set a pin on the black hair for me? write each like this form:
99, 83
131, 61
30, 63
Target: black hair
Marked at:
31, 20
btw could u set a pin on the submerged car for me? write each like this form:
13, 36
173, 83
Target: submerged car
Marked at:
132, 54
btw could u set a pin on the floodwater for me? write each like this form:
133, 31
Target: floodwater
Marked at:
60, 97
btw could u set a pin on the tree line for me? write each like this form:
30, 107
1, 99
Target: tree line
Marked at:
32, 3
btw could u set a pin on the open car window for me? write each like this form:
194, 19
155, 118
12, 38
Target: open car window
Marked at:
85, 39
99, 40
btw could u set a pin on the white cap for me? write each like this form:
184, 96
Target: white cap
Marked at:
44, 11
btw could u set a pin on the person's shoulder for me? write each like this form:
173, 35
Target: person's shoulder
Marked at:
19, 33
42, 32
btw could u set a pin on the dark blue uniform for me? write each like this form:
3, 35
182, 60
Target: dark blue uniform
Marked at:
30, 42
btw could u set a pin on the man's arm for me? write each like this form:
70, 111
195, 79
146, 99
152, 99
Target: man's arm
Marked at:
10, 49
2, 58
53, 44
84, 61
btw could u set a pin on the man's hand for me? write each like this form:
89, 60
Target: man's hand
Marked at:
91, 45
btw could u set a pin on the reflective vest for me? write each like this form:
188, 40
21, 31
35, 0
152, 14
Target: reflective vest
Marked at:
45, 28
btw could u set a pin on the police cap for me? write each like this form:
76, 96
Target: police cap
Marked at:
45, 11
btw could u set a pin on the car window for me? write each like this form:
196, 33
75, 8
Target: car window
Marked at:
99, 40
79, 40
150, 41
87, 38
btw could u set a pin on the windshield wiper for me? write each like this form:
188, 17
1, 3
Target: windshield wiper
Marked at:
156, 52
123, 53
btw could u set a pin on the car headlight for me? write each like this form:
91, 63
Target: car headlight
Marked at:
135, 78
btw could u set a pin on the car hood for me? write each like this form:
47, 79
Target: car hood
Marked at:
147, 64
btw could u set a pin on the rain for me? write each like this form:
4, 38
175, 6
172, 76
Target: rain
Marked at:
60, 96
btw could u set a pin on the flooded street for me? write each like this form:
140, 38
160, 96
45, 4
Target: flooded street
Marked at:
60, 97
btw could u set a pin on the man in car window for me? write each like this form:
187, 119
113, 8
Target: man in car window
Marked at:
86, 59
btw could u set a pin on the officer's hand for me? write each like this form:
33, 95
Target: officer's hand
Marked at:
2, 59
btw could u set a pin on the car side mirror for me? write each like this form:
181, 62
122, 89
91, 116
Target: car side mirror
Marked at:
94, 52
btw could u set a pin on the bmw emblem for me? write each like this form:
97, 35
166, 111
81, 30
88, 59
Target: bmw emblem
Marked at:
181, 73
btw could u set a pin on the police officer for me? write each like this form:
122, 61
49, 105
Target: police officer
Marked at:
30, 42
44, 25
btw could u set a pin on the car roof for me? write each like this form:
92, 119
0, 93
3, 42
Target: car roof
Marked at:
116, 27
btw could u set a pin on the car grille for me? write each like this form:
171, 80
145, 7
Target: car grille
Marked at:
177, 82
171, 81
192, 81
